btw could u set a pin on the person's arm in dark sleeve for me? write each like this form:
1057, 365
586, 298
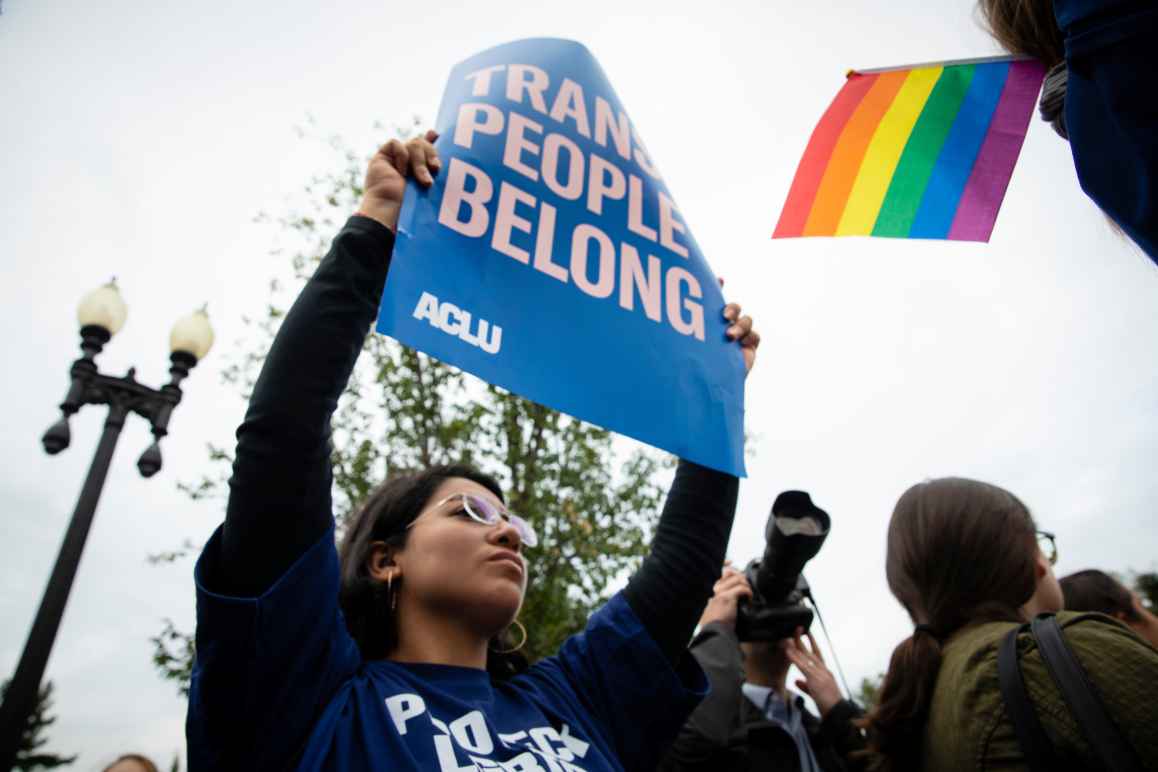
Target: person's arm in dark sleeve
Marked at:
671, 588
838, 733
279, 501
272, 647
717, 650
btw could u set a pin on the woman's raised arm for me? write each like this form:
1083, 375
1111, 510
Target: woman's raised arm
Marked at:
279, 500
669, 591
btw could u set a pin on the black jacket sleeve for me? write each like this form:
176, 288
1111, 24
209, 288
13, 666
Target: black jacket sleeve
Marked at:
705, 736
837, 739
279, 499
673, 585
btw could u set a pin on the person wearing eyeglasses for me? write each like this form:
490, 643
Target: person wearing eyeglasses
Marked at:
968, 563
399, 651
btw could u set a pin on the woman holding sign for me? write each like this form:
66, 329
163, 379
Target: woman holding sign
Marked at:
395, 654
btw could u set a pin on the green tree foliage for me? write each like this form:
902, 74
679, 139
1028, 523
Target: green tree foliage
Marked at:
1146, 585
30, 755
869, 691
173, 655
592, 499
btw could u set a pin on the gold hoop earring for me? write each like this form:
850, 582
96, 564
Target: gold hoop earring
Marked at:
521, 643
390, 591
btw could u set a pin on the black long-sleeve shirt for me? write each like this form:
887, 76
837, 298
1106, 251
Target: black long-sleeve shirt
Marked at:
280, 492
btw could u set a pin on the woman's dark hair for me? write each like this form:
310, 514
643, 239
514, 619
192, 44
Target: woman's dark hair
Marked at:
960, 552
143, 761
1098, 591
1025, 27
384, 516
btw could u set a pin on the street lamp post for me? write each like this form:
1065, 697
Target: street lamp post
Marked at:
101, 315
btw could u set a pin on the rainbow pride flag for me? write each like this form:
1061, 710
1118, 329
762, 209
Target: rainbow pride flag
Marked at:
922, 152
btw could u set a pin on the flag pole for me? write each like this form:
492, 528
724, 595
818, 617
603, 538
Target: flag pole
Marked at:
951, 63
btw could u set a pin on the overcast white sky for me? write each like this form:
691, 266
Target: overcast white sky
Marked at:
140, 139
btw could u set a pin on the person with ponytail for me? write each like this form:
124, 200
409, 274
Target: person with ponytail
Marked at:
1098, 95
400, 651
966, 561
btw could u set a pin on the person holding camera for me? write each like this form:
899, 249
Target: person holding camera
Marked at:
750, 720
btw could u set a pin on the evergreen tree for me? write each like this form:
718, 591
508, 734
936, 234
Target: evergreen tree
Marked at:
30, 756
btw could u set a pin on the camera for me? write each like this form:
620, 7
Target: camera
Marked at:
795, 531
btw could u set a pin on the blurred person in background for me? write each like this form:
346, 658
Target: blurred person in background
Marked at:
132, 762
1094, 590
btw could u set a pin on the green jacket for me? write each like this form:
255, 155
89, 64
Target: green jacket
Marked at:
969, 730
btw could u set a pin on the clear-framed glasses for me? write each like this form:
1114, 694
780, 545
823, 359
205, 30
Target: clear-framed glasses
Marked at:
1048, 546
482, 511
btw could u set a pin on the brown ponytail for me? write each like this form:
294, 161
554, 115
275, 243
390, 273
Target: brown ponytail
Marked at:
1025, 27
896, 724
960, 552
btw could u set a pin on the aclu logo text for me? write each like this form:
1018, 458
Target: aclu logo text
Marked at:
457, 322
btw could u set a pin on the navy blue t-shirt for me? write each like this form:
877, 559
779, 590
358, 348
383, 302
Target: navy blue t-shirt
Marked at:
279, 684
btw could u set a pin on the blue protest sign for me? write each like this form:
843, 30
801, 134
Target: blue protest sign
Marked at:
549, 258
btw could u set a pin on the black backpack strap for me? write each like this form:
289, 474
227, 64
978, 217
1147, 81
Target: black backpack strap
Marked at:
1035, 745
1103, 736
